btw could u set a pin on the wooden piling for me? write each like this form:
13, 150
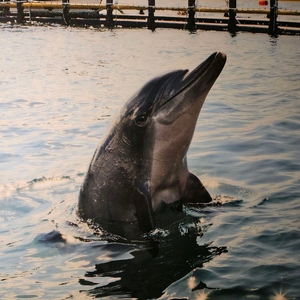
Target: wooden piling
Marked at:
151, 20
191, 12
109, 14
232, 16
273, 27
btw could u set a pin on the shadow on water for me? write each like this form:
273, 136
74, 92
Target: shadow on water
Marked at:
150, 270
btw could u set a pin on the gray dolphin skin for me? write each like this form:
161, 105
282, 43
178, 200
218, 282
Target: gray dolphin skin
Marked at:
140, 164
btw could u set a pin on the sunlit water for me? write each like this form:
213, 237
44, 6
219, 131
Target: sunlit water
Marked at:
59, 89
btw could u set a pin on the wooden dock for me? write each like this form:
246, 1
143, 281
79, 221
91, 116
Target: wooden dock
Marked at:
231, 18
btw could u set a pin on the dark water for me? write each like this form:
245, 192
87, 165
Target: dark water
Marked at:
59, 88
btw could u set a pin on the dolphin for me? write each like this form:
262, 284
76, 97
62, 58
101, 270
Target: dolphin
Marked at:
140, 164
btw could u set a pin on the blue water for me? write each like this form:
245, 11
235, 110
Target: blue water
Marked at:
59, 89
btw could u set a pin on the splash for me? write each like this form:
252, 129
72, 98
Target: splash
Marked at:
159, 232
192, 282
42, 183
7, 190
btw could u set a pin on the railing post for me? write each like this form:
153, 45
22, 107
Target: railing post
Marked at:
273, 17
232, 16
66, 10
109, 14
191, 12
20, 11
151, 20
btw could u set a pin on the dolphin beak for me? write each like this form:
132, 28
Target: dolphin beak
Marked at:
209, 70
201, 78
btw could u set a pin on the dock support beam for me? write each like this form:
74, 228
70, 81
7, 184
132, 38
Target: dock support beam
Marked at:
109, 14
273, 17
232, 16
191, 12
151, 20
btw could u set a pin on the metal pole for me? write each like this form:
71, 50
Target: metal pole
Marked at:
66, 10
20, 12
109, 14
151, 20
232, 16
273, 17
191, 12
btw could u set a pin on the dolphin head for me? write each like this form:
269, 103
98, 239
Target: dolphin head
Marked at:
141, 161
159, 122
169, 95
185, 93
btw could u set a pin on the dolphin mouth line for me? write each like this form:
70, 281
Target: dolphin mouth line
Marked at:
193, 76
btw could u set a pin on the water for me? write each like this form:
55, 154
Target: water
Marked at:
59, 89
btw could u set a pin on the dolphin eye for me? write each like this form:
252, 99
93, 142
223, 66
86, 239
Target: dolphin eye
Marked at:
141, 120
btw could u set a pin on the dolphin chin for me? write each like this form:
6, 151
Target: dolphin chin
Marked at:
140, 164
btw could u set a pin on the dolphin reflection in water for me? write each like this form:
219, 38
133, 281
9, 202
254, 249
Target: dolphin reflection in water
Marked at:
134, 273
140, 165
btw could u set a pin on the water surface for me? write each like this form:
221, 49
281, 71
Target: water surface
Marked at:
60, 87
